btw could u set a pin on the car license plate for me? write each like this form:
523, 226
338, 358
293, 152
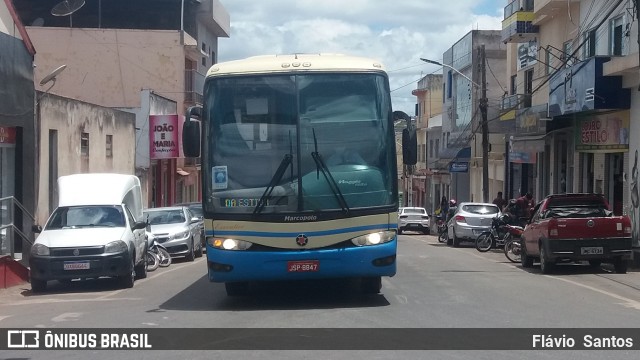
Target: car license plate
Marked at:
303, 266
76, 265
591, 250
478, 232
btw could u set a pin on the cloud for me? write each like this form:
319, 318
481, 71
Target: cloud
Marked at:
397, 33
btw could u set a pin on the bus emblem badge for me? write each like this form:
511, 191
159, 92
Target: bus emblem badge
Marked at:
302, 240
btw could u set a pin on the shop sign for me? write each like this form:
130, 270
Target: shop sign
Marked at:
164, 139
527, 54
522, 157
458, 167
603, 133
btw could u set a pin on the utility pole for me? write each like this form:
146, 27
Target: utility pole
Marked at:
485, 125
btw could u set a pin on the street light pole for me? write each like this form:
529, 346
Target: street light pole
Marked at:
452, 68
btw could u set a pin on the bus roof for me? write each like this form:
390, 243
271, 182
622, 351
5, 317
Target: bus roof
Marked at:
294, 62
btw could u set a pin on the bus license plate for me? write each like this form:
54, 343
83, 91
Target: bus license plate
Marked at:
591, 250
76, 265
303, 266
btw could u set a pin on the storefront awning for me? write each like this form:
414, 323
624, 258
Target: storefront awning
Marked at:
528, 143
456, 153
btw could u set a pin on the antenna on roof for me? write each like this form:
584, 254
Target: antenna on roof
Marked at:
52, 75
67, 7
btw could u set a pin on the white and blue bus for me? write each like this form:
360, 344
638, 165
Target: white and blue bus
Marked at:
298, 168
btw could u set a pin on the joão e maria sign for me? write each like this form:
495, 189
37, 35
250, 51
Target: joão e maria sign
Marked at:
603, 133
164, 137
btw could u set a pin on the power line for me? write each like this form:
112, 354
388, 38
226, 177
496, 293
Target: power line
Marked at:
494, 76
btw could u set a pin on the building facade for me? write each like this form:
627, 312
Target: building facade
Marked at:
461, 142
113, 49
579, 66
429, 106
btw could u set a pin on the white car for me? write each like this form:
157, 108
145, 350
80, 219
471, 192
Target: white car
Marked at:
413, 219
95, 231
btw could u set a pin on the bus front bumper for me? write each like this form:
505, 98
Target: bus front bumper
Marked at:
366, 261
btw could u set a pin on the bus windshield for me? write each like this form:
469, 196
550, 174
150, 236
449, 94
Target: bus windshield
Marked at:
299, 143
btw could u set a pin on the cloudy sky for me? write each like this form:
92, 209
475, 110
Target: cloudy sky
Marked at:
397, 33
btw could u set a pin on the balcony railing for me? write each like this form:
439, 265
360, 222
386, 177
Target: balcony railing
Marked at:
193, 86
514, 102
517, 5
517, 25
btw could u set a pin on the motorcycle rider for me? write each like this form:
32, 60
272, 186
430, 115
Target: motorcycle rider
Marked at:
453, 206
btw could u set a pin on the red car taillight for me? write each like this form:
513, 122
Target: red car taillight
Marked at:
553, 227
626, 225
460, 218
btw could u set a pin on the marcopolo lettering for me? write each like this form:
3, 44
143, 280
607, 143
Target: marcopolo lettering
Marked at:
301, 218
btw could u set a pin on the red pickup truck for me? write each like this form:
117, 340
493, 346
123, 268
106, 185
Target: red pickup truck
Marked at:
572, 227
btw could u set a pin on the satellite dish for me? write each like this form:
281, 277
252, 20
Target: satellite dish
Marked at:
67, 7
52, 75
38, 22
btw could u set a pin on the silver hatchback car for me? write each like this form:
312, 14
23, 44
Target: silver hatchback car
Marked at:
413, 218
470, 220
177, 229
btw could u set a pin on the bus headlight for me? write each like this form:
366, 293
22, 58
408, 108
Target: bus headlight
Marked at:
228, 244
374, 238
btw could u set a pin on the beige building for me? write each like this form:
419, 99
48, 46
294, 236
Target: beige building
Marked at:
573, 70
429, 106
566, 73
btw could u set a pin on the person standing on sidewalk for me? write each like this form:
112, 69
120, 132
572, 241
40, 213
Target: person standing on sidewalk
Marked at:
499, 201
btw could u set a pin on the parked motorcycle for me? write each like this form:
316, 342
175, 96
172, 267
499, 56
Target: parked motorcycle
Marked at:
501, 232
513, 248
157, 255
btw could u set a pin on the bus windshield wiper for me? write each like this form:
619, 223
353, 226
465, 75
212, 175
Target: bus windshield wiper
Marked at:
277, 176
321, 166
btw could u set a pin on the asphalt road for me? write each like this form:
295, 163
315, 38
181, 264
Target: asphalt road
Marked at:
436, 287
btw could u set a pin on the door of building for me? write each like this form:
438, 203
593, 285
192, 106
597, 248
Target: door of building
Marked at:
614, 186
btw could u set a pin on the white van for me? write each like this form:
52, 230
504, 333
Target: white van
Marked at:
96, 230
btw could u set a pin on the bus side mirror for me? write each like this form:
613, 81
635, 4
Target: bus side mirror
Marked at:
191, 132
